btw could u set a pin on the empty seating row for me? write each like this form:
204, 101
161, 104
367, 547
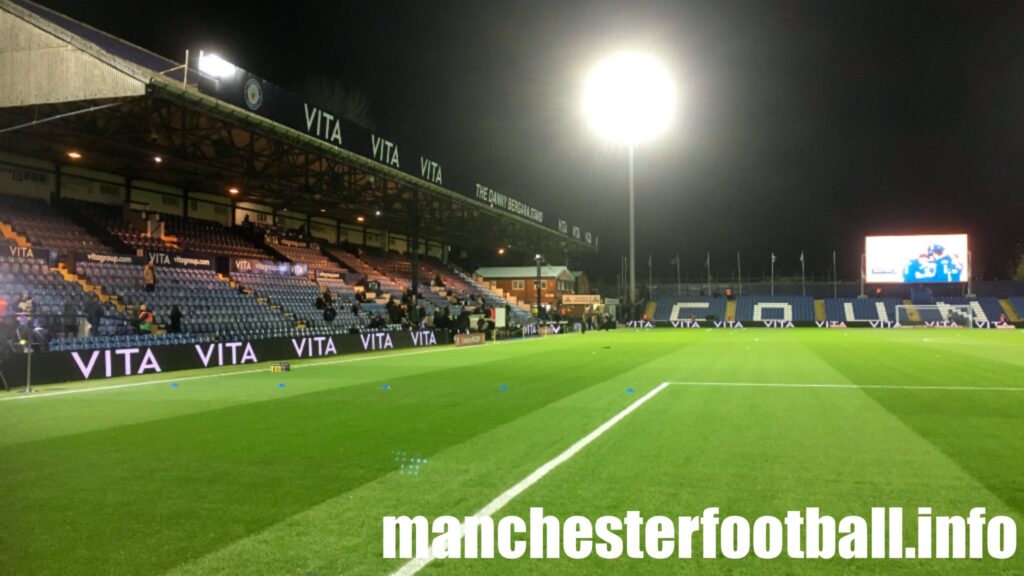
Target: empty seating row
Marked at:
784, 308
44, 227
676, 308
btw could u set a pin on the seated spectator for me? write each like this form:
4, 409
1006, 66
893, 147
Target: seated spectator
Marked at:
329, 313
24, 306
145, 320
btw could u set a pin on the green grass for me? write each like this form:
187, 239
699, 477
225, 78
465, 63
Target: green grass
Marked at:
230, 474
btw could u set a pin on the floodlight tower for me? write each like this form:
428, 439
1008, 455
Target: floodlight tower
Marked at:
629, 99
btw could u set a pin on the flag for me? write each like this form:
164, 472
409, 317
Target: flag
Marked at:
773, 257
801, 256
674, 260
650, 261
708, 262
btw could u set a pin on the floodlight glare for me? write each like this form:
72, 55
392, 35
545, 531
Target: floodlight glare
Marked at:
629, 98
215, 66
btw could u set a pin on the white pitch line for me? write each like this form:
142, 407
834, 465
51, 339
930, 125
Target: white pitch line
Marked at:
447, 348
847, 386
416, 564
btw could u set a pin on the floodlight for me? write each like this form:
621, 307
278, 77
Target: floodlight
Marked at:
215, 66
75, 155
629, 98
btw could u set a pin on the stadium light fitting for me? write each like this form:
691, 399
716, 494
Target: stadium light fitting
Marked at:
323, 210
377, 213
233, 190
215, 66
501, 251
75, 155
158, 159
360, 219
629, 98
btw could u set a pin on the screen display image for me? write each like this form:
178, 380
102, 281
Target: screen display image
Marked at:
927, 258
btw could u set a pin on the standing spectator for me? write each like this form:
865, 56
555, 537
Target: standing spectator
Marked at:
94, 315
175, 326
70, 318
149, 276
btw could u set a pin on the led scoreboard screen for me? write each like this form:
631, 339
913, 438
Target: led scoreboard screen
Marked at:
930, 258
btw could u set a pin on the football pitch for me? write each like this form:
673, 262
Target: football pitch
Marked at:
243, 471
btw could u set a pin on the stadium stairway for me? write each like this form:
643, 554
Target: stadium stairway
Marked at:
90, 288
652, 307
819, 311
730, 310
13, 236
1011, 314
912, 313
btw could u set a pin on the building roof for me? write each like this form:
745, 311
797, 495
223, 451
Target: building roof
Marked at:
516, 272
99, 89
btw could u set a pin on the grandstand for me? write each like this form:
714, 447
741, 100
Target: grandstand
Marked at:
243, 255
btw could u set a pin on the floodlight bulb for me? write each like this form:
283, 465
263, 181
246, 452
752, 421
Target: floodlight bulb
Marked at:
215, 66
629, 98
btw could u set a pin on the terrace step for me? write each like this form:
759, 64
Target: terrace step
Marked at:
912, 314
819, 311
1011, 314
9, 233
89, 287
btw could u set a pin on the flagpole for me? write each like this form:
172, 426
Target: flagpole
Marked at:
773, 273
708, 264
679, 279
803, 274
835, 277
739, 276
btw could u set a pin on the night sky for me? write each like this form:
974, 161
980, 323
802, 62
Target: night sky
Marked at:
803, 126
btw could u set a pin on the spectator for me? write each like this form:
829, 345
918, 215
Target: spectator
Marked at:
438, 281
70, 318
175, 326
25, 305
3, 305
145, 320
149, 276
329, 313
94, 315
